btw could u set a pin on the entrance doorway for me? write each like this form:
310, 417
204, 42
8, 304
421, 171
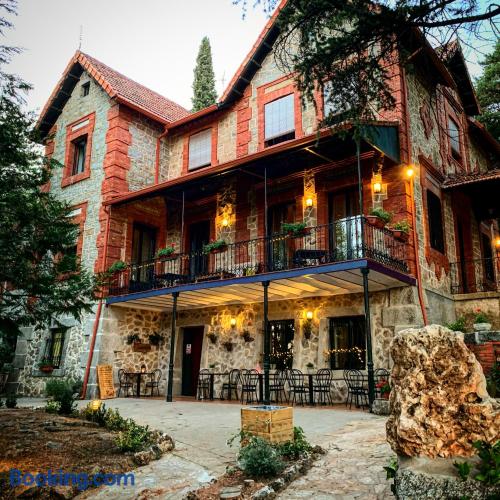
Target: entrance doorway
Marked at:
191, 356
345, 225
280, 249
199, 236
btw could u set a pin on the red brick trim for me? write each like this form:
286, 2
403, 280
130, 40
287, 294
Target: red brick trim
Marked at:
264, 98
71, 136
79, 219
243, 117
185, 147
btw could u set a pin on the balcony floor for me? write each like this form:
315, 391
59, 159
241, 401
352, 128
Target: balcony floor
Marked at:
339, 278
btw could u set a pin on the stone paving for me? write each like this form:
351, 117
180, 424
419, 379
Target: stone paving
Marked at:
352, 468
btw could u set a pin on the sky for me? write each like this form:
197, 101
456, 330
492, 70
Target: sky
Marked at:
154, 42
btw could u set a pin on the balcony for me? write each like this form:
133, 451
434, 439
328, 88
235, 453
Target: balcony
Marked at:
278, 256
475, 276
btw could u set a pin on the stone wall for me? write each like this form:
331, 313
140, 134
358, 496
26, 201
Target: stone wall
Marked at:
390, 312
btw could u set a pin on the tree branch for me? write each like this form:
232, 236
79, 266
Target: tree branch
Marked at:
458, 20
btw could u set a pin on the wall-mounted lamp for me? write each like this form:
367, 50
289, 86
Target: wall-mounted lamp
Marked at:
309, 202
225, 222
233, 322
409, 172
497, 243
377, 183
309, 315
143, 368
377, 187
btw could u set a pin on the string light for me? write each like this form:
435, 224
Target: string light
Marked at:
359, 353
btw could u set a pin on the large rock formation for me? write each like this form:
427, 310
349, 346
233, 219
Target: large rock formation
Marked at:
439, 403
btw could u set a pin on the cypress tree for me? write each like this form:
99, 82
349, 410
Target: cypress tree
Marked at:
204, 93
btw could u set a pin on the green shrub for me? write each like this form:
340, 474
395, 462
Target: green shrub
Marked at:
458, 325
463, 469
480, 317
11, 400
294, 449
134, 437
489, 466
52, 407
117, 266
63, 392
382, 214
259, 459
114, 421
402, 225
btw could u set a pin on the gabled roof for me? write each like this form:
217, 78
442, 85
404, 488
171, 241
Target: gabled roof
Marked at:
115, 84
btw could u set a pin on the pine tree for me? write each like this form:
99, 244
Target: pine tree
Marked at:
488, 92
204, 93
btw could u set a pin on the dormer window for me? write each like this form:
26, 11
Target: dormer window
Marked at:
454, 134
279, 120
85, 89
200, 149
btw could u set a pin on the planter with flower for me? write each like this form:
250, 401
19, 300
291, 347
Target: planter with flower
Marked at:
117, 267
384, 387
295, 229
212, 336
378, 217
155, 339
216, 246
46, 366
481, 322
401, 230
310, 367
228, 345
167, 253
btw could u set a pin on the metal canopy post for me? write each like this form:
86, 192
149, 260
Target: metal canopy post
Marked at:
170, 382
267, 344
368, 330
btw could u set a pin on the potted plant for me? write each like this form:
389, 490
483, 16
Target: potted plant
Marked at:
228, 345
378, 217
212, 337
167, 253
384, 387
401, 230
307, 328
246, 336
295, 229
310, 367
155, 338
215, 246
212, 366
46, 366
133, 338
117, 267
481, 323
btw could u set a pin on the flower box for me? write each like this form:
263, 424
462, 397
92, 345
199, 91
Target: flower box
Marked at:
400, 235
220, 249
482, 327
172, 256
141, 347
272, 423
46, 369
376, 221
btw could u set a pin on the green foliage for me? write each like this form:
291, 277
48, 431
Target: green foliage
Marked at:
488, 94
294, 228
204, 93
117, 266
64, 392
402, 225
381, 214
113, 421
214, 245
489, 466
134, 437
260, 459
106, 417
165, 252
294, 449
44, 278
480, 317
52, 407
45, 362
11, 400
463, 469
391, 468
458, 325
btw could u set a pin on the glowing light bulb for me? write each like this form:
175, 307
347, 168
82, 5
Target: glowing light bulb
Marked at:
377, 187
309, 202
233, 321
410, 172
309, 315
225, 222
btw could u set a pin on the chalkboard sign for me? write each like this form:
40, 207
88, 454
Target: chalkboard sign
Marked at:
105, 380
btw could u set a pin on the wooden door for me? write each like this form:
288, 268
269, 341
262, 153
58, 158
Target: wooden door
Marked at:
199, 236
191, 356
345, 225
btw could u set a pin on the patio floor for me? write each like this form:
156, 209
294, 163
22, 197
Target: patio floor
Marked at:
201, 430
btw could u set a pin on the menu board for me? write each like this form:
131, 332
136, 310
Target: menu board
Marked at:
105, 381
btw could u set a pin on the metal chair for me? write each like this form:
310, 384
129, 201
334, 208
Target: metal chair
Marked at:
124, 382
297, 386
379, 375
231, 386
154, 382
323, 385
277, 382
249, 380
203, 387
356, 389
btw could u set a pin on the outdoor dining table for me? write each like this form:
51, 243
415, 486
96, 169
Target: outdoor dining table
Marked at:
138, 376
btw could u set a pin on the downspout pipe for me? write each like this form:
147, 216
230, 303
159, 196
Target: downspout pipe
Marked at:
157, 155
412, 199
99, 309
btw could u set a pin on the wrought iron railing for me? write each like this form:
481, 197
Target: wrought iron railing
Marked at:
475, 275
336, 242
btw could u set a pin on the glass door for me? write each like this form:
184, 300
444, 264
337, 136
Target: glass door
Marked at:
280, 248
143, 253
